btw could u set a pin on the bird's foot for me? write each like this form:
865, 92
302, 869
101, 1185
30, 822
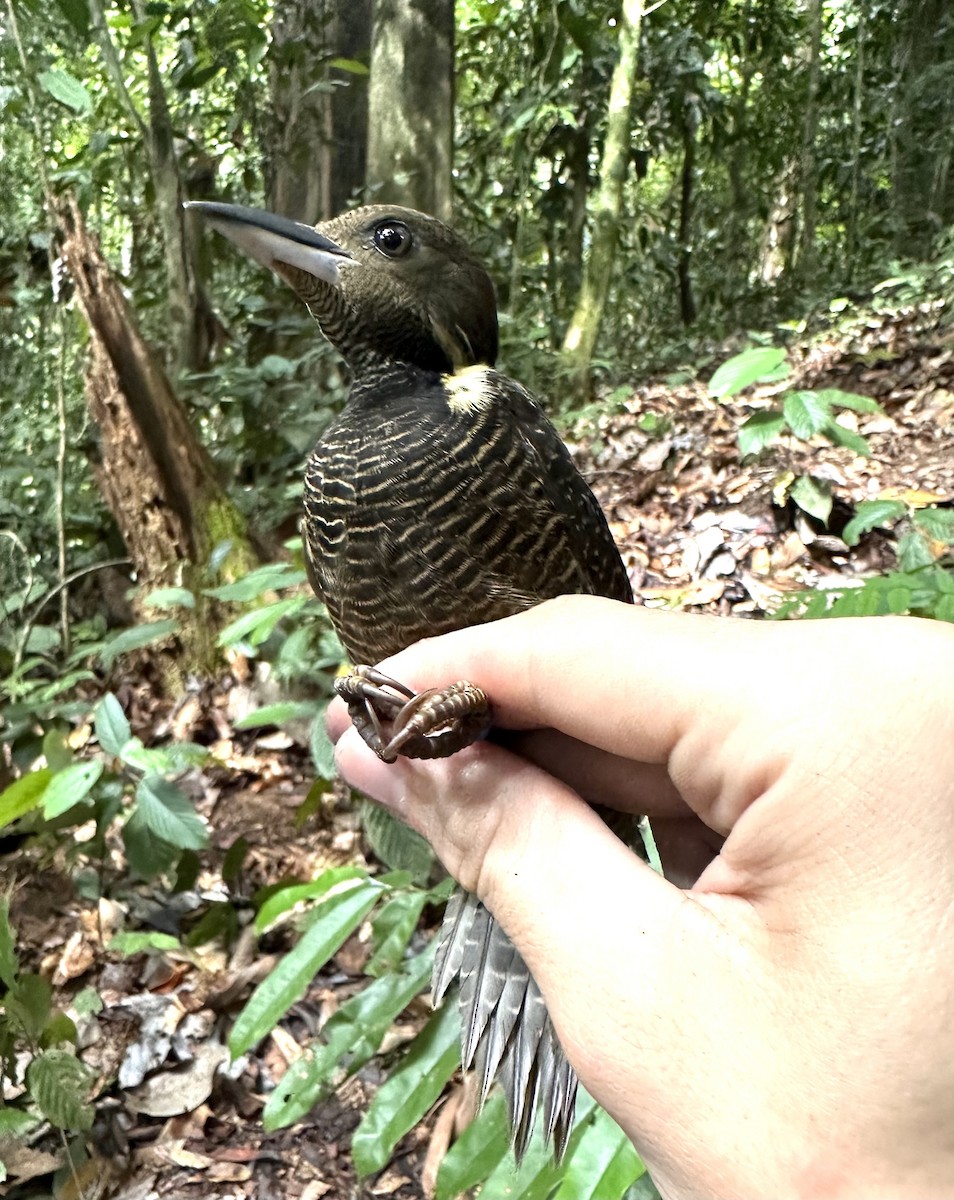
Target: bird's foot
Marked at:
394, 720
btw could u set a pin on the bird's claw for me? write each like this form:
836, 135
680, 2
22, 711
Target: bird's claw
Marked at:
393, 720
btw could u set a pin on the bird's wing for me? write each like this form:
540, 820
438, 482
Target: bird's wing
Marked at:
587, 529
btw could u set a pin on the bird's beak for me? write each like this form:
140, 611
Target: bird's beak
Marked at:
275, 242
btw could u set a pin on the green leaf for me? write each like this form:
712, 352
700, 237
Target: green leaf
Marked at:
68, 90
56, 750
392, 929
28, 1004
839, 435
255, 626
936, 523
349, 1039
70, 787
147, 854
169, 814
9, 964
169, 597
60, 1028
806, 414
322, 747
403, 1100
757, 363
276, 714
112, 728
352, 65
137, 942
77, 13
60, 1083
603, 1163
285, 898
480, 1148
813, 495
871, 514
914, 553
335, 920
23, 795
135, 639
269, 578
835, 398
396, 844
759, 431
14, 1122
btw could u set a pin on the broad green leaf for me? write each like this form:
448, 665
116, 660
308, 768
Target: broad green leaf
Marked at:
813, 495
23, 795
68, 90
538, 1175
9, 964
914, 552
322, 747
70, 787
836, 398
349, 1038
56, 750
60, 1084
839, 435
806, 413
112, 728
269, 578
169, 814
335, 920
602, 1165
255, 626
276, 714
286, 898
169, 597
757, 363
392, 929
135, 942
164, 760
77, 13
60, 1028
413, 1087
14, 1122
936, 523
28, 1004
759, 431
871, 514
136, 638
147, 854
944, 609
396, 844
477, 1152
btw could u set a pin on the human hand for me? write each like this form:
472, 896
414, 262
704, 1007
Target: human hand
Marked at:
786, 1027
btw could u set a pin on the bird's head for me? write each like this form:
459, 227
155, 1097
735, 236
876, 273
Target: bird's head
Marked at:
382, 281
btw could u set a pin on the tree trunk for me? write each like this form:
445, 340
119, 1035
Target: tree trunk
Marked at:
155, 476
687, 301
316, 161
923, 184
580, 340
411, 105
808, 184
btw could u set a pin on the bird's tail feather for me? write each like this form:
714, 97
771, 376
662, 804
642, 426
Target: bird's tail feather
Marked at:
506, 1032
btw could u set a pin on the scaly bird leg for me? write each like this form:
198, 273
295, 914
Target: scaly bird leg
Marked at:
393, 720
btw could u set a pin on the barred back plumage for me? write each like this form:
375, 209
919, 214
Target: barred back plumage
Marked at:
440, 497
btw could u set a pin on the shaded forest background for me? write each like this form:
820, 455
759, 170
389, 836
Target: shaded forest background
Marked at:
721, 238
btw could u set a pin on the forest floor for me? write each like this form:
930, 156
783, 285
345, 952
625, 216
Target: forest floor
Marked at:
699, 530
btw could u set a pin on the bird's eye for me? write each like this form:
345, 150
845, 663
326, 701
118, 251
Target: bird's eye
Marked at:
392, 238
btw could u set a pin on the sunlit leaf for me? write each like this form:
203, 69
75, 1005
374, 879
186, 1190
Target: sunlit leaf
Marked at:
756, 364
413, 1087
336, 920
